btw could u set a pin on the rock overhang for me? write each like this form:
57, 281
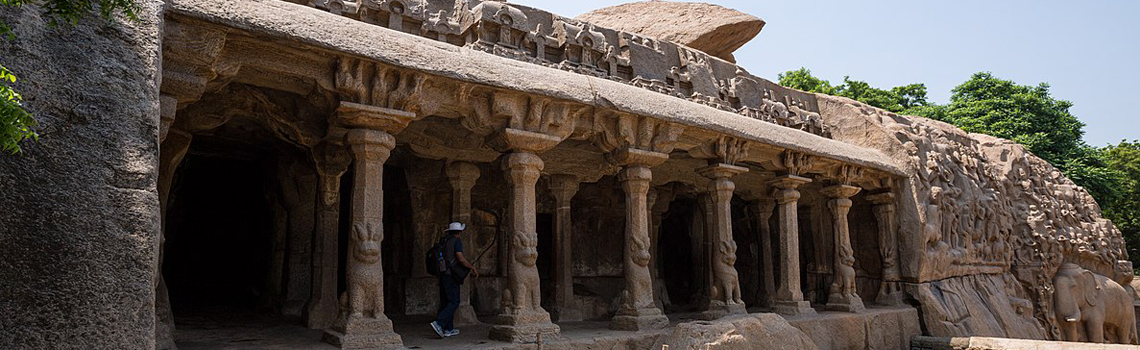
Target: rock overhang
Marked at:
280, 21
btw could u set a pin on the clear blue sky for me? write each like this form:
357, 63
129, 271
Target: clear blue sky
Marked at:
1088, 51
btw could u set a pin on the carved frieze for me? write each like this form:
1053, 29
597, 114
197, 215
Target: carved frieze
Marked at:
529, 35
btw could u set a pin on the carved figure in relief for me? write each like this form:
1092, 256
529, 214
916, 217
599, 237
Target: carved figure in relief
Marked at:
845, 274
523, 277
1094, 304
641, 295
727, 288
366, 294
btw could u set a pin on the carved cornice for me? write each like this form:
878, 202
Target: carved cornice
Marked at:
614, 131
724, 149
367, 83
846, 174
797, 163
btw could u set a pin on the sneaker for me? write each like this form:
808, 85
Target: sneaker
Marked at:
438, 329
451, 333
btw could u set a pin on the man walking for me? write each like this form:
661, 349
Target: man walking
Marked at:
457, 268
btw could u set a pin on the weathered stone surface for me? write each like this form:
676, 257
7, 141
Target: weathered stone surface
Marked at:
79, 229
981, 213
876, 328
984, 343
714, 29
752, 332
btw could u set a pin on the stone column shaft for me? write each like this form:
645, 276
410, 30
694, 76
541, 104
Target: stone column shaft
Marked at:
462, 177
843, 296
789, 296
564, 187
890, 292
522, 317
763, 209
364, 325
323, 302
725, 292
637, 311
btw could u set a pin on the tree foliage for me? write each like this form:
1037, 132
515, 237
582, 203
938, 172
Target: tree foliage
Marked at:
16, 124
1124, 211
898, 99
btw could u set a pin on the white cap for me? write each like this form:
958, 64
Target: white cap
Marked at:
456, 226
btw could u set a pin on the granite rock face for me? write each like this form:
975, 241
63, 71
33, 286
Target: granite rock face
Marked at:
752, 332
716, 30
986, 224
80, 221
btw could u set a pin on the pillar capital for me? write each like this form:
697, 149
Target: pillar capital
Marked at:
884, 198
521, 141
523, 167
369, 144
627, 156
564, 187
789, 182
636, 173
721, 171
462, 175
360, 116
840, 191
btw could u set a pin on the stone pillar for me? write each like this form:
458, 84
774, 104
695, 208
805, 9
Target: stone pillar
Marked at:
323, 305
299, 193
659, 201
843, 296
522, 317
363, 324
462, 177
763, 208
789, 298
890, 292
725, 292
637, 311
564, 187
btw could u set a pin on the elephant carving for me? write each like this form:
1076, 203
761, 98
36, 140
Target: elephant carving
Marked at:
1094, 304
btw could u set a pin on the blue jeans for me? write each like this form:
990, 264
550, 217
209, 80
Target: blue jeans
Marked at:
448, 302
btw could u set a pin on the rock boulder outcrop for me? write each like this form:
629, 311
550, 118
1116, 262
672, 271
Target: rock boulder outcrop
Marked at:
716, 30
752, 332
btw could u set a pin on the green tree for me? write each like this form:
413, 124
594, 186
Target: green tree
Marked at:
1124, 211
898, 99
16, 124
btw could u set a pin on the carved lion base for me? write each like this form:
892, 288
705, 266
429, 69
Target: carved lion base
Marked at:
639, 320
465, 315
793, 308
524, 328
845, 303
364, 333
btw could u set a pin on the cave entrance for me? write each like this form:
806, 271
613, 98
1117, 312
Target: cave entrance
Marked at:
219, 250
678, 243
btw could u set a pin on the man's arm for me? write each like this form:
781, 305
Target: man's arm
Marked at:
463, 260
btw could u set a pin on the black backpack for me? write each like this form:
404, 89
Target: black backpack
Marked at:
435, 262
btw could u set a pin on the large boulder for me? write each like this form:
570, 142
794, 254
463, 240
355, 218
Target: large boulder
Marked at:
79, 224
744, 332
716, 30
